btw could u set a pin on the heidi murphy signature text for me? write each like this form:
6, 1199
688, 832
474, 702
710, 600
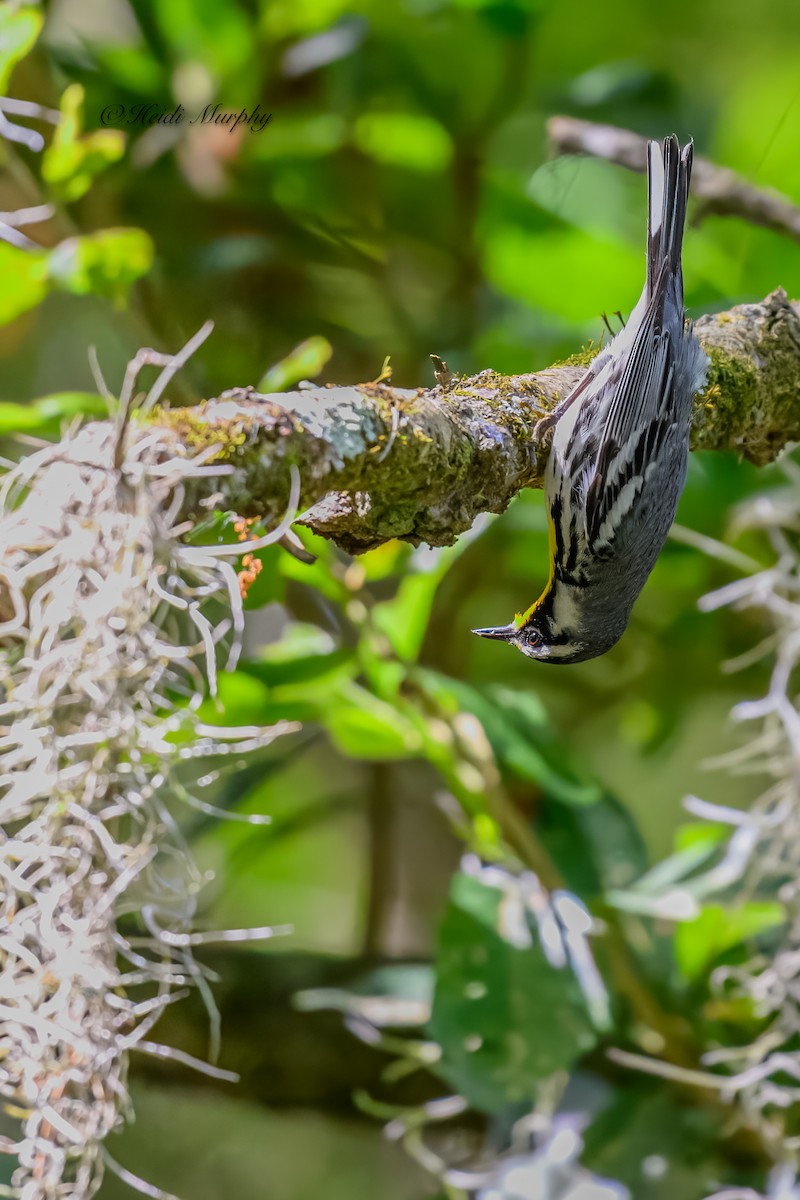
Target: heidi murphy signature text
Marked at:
213, 114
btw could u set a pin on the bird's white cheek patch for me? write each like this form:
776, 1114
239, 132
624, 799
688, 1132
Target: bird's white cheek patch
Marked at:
566, 609
561, 651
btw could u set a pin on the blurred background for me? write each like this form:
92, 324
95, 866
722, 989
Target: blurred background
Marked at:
399, 202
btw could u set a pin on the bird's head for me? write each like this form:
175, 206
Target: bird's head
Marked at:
537, 638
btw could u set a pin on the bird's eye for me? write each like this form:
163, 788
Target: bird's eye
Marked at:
532, 636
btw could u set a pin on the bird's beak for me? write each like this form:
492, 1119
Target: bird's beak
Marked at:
500, 633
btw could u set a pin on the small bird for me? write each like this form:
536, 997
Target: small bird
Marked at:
619, 450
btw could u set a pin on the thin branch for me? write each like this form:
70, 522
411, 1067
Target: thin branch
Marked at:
716, 190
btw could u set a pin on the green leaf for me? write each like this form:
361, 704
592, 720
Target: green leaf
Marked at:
294, 137
131, 68
412, 140
672, 887
700, 942
243, 699
304, 362
701, 835
532, 6
310, 668
323, 576
520, 736
598, 847
646, 1121
71, 161
523, 265
364, 727
282, 18
24, 275
46, 414
220, 36
304, 654
19, 29
385, 560
101, 264
525, 747
504, 1016
404, 618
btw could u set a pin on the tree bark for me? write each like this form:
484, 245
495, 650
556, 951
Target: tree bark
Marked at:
378, 462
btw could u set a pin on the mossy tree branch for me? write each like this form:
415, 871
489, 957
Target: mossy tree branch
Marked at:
378, 462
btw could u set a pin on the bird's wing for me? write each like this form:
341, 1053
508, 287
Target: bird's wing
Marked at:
639, 418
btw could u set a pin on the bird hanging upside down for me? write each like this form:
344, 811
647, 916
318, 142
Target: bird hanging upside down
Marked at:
620, 448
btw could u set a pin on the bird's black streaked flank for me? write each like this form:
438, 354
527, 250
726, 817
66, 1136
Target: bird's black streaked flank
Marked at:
619, 452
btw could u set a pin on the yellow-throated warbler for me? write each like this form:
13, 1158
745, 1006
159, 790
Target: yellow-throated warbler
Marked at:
619, 452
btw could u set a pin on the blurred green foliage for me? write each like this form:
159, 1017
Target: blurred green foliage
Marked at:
497, 992
400, 202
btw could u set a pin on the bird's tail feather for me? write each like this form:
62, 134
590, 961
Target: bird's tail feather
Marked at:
669, 171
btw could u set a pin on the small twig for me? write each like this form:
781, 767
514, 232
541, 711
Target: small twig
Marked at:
170, 364
442, 373
135, 1181
155, 1050
718, 190
668, 1070
10, 221
30, 109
